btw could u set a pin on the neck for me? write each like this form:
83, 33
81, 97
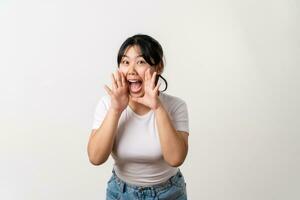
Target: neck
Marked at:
138, 108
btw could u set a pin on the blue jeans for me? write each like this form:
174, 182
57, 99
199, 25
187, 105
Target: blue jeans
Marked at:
173, 188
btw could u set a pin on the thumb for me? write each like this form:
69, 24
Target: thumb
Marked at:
108, 90
137, 99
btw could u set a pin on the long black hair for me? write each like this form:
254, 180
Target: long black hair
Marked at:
151, 51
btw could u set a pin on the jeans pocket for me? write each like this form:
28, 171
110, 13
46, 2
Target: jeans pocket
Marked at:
173, 192
112, 195
179, 181
112, 191
110, 179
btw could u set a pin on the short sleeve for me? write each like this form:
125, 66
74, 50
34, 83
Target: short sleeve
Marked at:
99, 114
180, 117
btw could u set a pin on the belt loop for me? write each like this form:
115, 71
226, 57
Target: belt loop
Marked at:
175, 177
153, 192
170, 181
122, 186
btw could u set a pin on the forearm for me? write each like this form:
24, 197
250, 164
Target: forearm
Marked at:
173, 146
101, 143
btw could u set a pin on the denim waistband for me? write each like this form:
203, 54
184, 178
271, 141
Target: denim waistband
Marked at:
157, 187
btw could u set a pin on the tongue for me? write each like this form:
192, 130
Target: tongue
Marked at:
135, 87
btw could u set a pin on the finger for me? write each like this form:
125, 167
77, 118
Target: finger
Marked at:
108, 90
147, 77
113, 82
118, 79
149, 74
157, 87
153, 80
124, 83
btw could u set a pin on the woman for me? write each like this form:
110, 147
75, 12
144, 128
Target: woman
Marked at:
145, 130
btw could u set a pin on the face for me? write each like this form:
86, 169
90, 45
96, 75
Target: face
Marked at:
134, 66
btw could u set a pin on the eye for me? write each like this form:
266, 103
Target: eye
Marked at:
141, 62
125, 62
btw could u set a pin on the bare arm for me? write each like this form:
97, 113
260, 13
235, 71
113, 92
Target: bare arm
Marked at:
174, 143
102, 139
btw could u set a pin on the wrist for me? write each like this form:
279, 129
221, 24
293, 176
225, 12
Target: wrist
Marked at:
158, 106
114, 111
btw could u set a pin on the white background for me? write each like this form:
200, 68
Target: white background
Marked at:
235, 63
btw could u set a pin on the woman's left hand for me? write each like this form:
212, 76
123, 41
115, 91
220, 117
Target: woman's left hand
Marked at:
150, 97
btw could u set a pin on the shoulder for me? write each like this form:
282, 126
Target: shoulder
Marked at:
170, 102
104, 101
168, 99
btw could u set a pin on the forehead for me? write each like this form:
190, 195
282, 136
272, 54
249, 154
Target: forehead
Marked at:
132, 52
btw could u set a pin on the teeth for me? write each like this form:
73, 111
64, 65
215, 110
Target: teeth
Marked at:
133, 81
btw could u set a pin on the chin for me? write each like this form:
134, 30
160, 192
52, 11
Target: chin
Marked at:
140, 94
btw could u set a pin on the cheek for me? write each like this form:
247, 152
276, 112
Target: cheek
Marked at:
142, 75
142, 72
123, 70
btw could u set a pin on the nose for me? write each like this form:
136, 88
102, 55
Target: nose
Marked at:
131, 70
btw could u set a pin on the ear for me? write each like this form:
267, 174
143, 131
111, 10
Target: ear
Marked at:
159, 68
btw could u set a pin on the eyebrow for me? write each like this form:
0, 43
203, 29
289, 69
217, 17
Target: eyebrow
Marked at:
136, 57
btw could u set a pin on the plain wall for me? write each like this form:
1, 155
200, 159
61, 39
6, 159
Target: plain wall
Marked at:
235, 63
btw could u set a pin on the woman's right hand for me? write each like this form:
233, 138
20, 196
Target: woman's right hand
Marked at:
119, 93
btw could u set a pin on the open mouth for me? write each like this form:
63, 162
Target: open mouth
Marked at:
135, 85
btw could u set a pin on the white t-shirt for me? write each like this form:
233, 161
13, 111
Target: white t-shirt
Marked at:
137, 152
